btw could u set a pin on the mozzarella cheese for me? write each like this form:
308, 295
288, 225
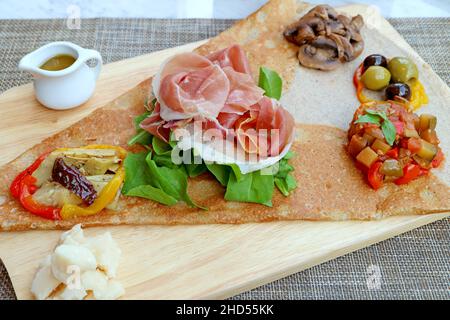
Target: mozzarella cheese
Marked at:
223, 151
79, 268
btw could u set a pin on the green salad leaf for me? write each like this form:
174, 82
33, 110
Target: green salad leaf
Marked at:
253, 187
270, 82
221, 172
160, 147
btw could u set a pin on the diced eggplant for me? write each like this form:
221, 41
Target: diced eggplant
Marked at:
410, 133
391, 167
380, 146
357, 143
368, 138
427, 150
367, 157
426, 164
427, 121
375, 132
430, 136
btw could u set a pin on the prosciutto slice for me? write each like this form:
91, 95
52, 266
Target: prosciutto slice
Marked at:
219, 91
190, 86
266, 129
233, 57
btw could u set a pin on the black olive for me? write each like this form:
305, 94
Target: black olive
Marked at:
401, 90
375, 60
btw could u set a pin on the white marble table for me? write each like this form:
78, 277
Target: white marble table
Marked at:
44, 9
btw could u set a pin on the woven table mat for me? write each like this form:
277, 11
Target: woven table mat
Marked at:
415, 265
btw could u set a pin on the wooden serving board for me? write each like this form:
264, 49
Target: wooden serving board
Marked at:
180, 262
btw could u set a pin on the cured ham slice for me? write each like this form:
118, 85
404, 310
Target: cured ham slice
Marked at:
243, 92
233, 57
219, 91
190, 86
154, 124
266, 129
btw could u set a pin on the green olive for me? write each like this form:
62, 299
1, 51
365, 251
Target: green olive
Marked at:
402, 69
376, 78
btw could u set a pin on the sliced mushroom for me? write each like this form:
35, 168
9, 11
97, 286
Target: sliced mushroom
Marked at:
326, 38
320, 54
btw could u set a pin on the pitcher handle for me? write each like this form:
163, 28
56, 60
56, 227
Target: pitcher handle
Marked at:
88, 54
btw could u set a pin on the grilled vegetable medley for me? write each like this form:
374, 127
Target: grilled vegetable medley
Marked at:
70, 182
392, 144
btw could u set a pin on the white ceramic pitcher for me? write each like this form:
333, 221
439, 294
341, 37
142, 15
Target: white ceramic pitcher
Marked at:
66, 88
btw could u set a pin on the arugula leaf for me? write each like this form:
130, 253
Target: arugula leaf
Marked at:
138, 119
289, 155
138, 181
194, 170
152, 193
136, 171
221, 172
368, 118
164, 160
253, 187
282, 186
142, 137
172, 181
389, 131
270, 82
160, 147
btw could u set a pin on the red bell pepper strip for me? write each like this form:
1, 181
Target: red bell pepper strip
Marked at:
15, 185
23, 187
437, 160
27, 201
374, 175
393, 153
410, 172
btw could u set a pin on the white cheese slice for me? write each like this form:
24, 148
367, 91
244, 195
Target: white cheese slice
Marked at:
223, 151
74, 236
80, 268
70, 259
106, 252
44, 283
71, 294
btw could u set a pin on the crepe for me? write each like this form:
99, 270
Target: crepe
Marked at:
329, 185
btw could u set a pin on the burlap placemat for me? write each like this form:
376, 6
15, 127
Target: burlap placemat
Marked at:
415, 265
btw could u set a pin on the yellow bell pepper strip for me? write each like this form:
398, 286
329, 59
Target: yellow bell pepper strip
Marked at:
105, 197
418, 95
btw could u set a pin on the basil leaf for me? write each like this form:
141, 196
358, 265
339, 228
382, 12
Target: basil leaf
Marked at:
368, 118
389, 131
253, 187
221, 172
142, 137
160, 147
152, 193
270, 82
